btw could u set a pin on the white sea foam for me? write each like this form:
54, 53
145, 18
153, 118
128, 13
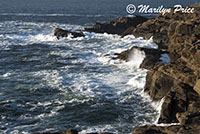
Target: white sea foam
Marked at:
18, 132
43, 37
138, 80
169, 124
29, 32
49, 78
99, 128
158, 106
136, 58
39, 38
43, 15
7, 74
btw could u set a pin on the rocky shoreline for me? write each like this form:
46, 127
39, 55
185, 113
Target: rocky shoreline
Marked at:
178, 82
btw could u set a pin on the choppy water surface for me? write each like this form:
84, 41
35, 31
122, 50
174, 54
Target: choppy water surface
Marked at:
49, 84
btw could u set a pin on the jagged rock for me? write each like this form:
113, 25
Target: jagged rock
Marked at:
68, 131
157, 130
65, 33
117, 27
152, 56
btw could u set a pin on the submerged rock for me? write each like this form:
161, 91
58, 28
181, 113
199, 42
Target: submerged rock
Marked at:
65, 33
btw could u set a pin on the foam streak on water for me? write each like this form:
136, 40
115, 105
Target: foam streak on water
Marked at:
50, 85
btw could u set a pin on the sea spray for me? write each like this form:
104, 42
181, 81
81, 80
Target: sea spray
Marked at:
158, 106
136, 58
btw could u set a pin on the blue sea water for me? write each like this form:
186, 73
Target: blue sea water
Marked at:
51, 85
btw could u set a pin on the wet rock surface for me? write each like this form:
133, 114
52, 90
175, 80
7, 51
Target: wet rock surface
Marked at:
58, 32
152, 56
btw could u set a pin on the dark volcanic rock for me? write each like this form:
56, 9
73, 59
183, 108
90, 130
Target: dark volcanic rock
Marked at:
65, 33
117, 27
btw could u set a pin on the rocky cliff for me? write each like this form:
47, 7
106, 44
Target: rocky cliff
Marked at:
179, 80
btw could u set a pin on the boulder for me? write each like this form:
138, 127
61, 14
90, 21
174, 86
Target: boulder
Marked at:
65, 33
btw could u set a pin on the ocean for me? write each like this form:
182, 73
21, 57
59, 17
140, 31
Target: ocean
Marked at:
48, 84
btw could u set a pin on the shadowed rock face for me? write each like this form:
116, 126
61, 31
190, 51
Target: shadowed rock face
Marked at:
65, 33
118, 27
